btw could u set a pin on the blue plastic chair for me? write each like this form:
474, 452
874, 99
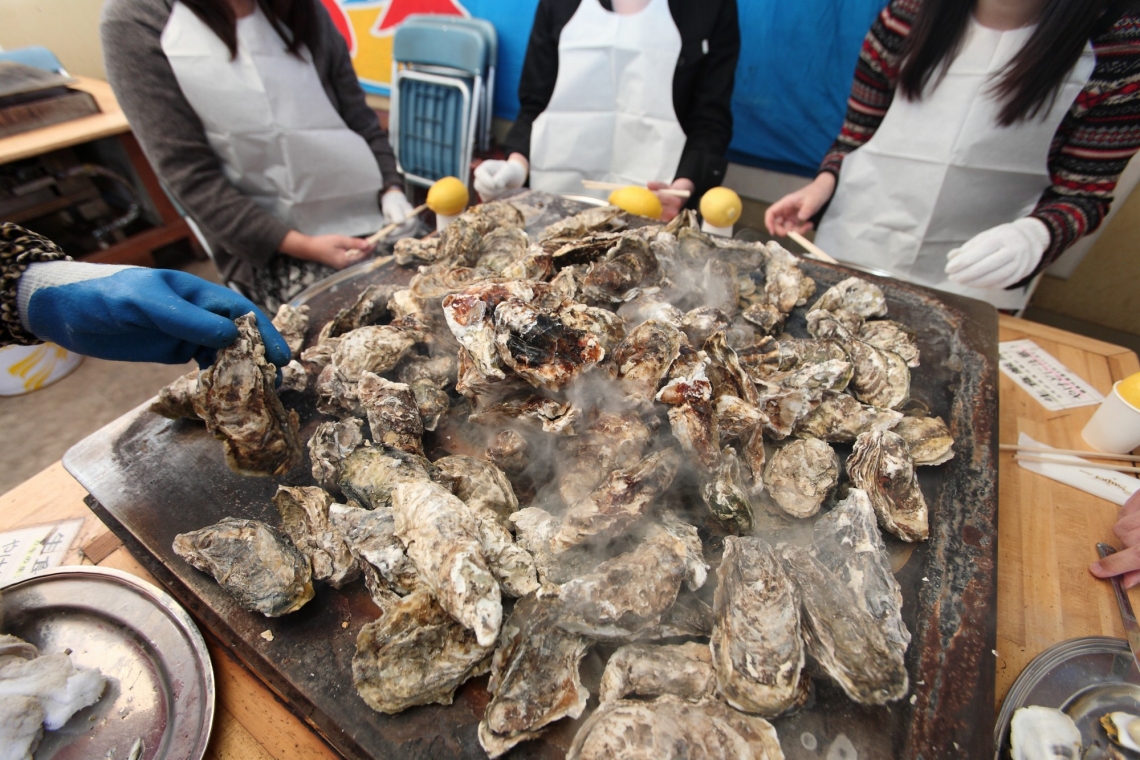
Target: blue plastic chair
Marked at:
34, 55
437, 89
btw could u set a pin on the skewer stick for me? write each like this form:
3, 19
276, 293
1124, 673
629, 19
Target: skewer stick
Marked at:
1088, 465
814, 250
376, 237
1072, 452
594, 184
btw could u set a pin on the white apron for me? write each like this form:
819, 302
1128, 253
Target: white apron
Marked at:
940, 170
610, 117
270, 122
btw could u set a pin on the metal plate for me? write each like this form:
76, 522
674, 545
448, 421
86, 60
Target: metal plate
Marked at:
154, 478
1086, 678
160, 684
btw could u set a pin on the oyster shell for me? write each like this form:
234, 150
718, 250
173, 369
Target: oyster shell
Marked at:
592, 219
416, 251
801, 474
501, 247
509, 451
622, 498
841, 636
649, 303
294, 377
725, 371
540, 348
304, 514
253, 562
785, 408
375, 349
415, 654
767, 317
650, 670
393, 414
534, 678
176, 401
470, 315
534, 529
536, 411
60, 689
700, 324
764, 358
892, 336
371, 537
535, 264
292, 322
21, 724
880, 378
928, 439
1123, 728
736, 418
756, 645
785, 285
880, 464
369, 308
461, 241
669, 728
847, 542
369, 475
606, 327
441, 370
641, 361
1042, 733
841, 419
725, 495
692, 415
479, 483
610, 441
856, 296
237, 401
431, 402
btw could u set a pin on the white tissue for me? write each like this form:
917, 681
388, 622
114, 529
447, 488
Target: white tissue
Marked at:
1106, 484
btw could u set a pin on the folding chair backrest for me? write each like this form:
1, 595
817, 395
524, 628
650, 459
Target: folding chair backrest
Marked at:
433, 126
483, 26
34, 55
453, 47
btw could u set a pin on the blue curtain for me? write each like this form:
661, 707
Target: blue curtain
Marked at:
797, 60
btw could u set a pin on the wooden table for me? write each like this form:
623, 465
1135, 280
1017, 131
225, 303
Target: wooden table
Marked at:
111, 122
1046, 537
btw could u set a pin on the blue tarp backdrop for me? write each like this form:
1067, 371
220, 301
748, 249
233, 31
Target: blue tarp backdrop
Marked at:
797, 59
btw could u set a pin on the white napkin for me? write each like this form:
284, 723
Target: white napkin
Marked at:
1113, 486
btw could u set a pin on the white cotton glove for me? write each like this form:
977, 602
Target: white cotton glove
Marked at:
1000, 256
398, 210
494, 178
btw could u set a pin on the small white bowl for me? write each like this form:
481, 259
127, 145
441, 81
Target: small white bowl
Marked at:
24, 369
1115, 428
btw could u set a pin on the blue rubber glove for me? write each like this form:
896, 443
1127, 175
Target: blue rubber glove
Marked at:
137, 314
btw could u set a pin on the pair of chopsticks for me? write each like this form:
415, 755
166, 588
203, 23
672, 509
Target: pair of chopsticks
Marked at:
1034, 454
592, 184
386, 230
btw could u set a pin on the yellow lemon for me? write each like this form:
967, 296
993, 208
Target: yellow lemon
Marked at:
637, 200
448, 196
721, 207
1129, 389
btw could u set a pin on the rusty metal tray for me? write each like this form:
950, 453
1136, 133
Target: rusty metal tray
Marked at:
152, 478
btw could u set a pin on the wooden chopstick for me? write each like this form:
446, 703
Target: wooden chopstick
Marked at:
1086, 464
814, 250
376, 237
1072, 452
594, 184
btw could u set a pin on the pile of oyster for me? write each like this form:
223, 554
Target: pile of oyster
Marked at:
602, 438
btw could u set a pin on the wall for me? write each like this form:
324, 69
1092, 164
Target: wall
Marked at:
69, 28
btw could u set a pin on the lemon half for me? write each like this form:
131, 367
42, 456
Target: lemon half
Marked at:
721, 207
448, 196
637, 200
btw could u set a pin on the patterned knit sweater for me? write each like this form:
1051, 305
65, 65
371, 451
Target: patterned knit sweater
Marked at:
1094, 143
19, 249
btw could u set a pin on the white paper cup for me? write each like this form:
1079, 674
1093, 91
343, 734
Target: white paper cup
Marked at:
1115, 428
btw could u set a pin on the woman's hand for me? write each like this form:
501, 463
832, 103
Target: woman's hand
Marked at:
671, 205
794, 211
330, 250
1127, 560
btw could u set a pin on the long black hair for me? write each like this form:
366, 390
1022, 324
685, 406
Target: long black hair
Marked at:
294, 20
1031, 81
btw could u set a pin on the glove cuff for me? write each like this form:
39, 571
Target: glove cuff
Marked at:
52, 273
19, 248
1037, 234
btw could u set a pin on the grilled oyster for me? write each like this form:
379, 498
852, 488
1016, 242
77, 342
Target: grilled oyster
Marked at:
292, 322
593, 219
815, 377
767, 317
481, 389
847, 542
641, 361
415, 654
841, 419
480, 484
253, 562
725, 495
416, 251
855, 296
606, 327
494, 215
647, 304
880, 464
534, 529
442, 370
701, 323
841, 635
756, 644
393, 414
534, 678
470, 315
763, 358
620, 500
736, 418
669, 728
785, 408
305, 519
239, 405
801, 474
650, 670
368, 475
692, 415
540, 348
369, 308
879, 378
610, 441
176, 401
501, 247
725, 371
375, 349
431, 402
461, 241
535, 411
627, 265
509, 451
294, 377
371, 537
928, 439
785, 284
892, 336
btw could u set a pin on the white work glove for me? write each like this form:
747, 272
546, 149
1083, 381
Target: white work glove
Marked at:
494, 178
398, 210
1000, 256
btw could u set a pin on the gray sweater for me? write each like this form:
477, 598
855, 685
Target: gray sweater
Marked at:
243, 236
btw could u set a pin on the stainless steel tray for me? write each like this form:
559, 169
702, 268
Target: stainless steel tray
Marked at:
160, 682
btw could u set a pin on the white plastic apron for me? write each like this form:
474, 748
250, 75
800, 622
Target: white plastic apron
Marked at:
270, 122
610, 117
940, 170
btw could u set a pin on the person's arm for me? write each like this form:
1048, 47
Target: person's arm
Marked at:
335, 66
19, 249
539, 73
172, 135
